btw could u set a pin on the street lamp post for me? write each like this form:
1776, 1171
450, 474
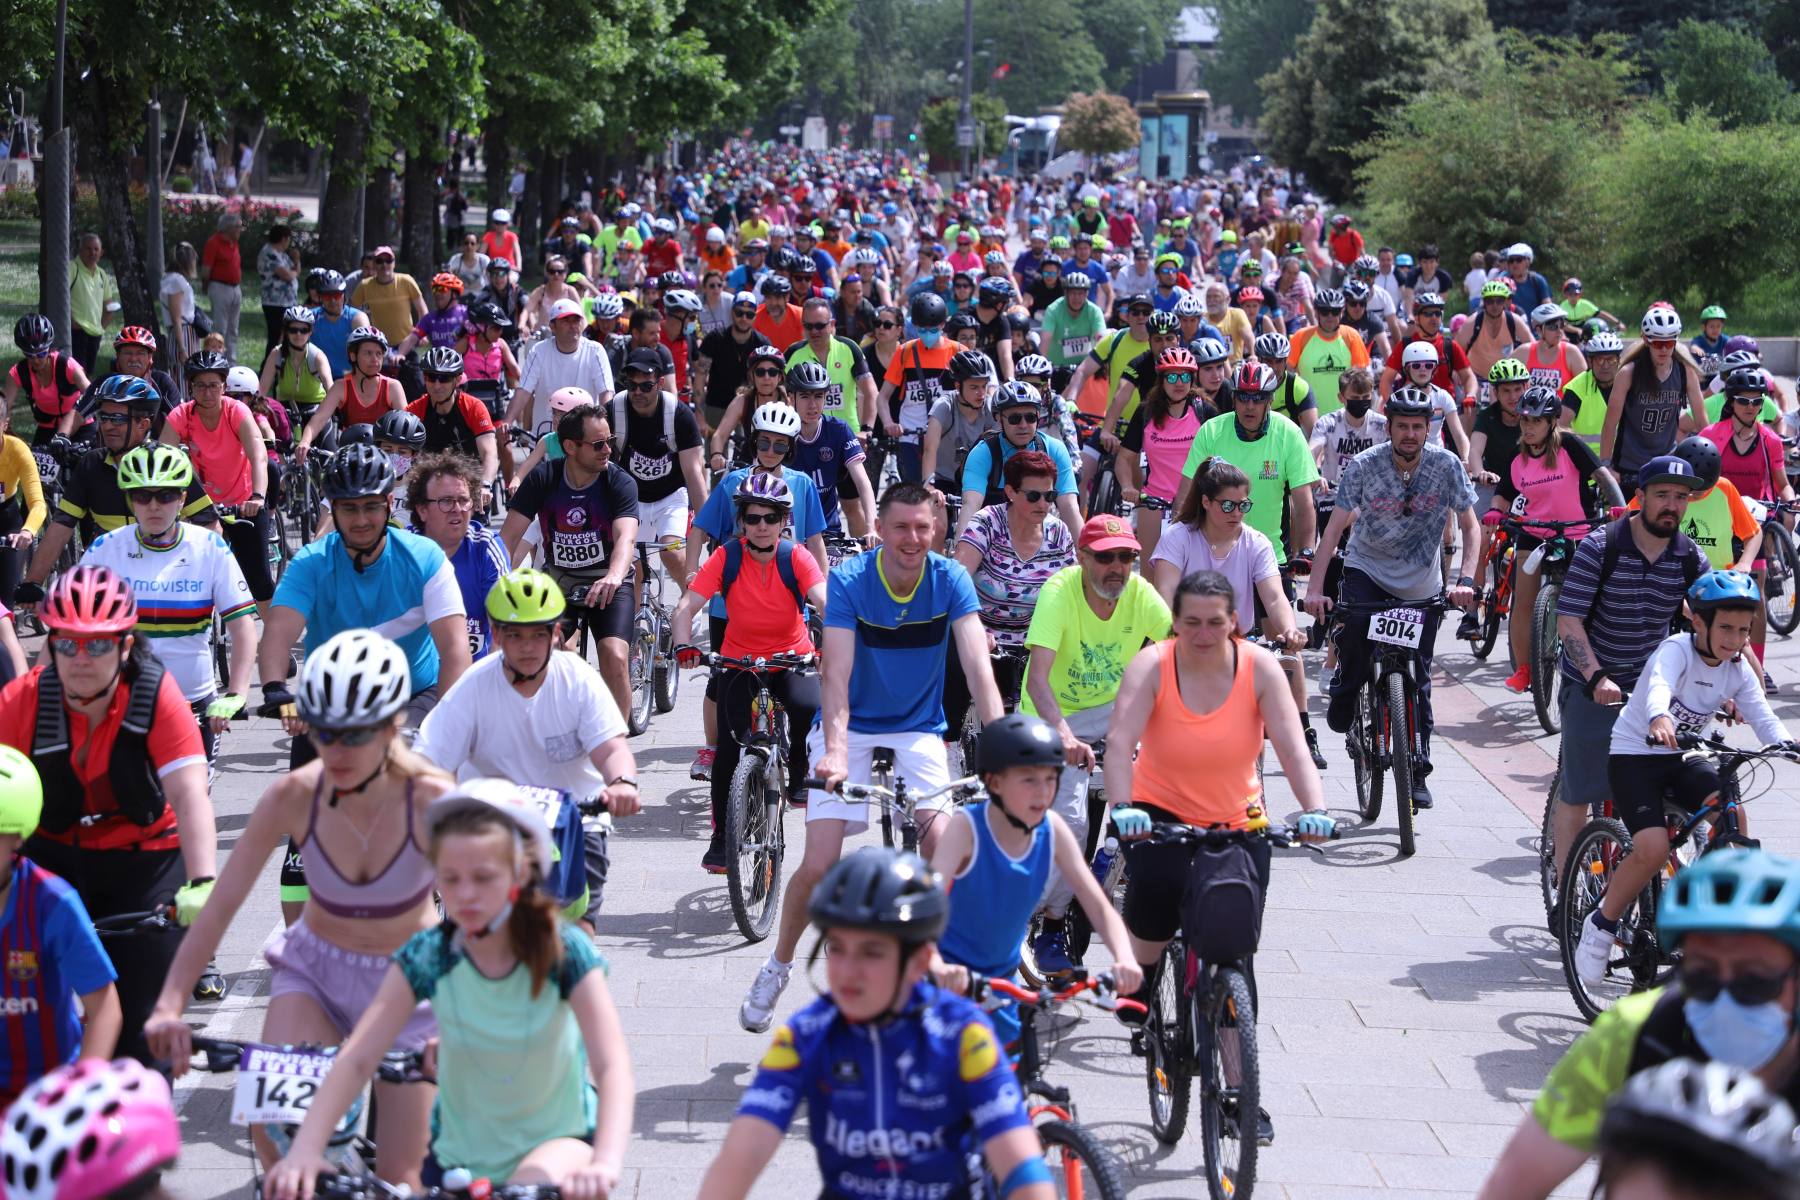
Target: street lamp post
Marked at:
55, 301
965, 123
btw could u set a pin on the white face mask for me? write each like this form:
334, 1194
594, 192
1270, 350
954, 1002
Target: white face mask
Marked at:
400, 461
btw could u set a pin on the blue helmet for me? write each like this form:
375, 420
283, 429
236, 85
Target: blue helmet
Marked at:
129, 389
1724, 589
1733, 891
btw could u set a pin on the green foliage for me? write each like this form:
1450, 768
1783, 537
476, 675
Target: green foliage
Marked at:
1099, 123
938, 126
1646, 25
1725, 72
1356, 62
1252, 35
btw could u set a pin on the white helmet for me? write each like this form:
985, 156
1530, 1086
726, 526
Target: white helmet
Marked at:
777, 418
681, 300
1419, 352
242, 381
1520, 250
1662, 321
521, 807
1547, 312
357, 678
500, 217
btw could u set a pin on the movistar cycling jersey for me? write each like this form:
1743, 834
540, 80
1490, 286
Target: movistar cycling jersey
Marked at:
893, 1109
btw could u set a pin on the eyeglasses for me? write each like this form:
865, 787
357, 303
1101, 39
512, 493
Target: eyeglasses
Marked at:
433, 378
1235, 506
1107, 558
1705, 986
773, 518
112, 418
1022, 417
642, 385
772, 445
299, 328
93, 647
887, 324
1178, 377
815, 326
361, 735
452, 503
156, 495
743, 312
767, 372
1034, 496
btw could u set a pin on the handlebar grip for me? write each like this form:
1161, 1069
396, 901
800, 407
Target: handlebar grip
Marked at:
815, 784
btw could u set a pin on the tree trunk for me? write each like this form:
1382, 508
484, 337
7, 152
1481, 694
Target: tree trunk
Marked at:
419, 233
337, 217
378, 208
111, 129
496, 160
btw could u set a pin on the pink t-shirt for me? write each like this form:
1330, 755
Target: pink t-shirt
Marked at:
1251, 558
1164, 446
1552, 487
218, 455
1757, 475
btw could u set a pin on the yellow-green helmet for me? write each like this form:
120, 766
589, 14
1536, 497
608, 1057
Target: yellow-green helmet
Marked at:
1495, 289
154, 465
1508, 370
21, 794
525, 597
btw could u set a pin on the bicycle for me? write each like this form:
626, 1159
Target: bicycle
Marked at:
1642, 962
1079, 1163
1552, 557
1384, 732
756, 806
896, 799
653, 641
1201, 1022
465, 1187
1105, 495
1781, 575
1493, 591
1009, 700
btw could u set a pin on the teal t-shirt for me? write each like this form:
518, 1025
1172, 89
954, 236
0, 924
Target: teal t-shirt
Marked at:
512, 1067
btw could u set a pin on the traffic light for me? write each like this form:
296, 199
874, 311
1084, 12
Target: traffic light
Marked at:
912, 137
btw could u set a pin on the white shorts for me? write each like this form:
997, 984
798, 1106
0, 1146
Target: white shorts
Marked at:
918, 759
664, 520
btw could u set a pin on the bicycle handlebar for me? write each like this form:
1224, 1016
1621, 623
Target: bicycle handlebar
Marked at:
1105, 989
967, 786
773, 662
367, 1187
133, 922
225, 1054
1166, 833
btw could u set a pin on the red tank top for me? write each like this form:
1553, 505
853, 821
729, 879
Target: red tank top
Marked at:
1553, 372
356, 412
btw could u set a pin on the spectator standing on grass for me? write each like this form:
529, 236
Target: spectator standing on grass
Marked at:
222, 269
278, 266
93, 302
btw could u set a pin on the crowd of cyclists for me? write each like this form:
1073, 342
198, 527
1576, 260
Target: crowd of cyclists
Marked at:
1023, 479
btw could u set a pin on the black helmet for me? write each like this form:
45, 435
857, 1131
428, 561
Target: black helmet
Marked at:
1018, 740
34, 333
994, 291
928, 310
969, 364
882, 890
786, 258
808, 377
442, 360
207, 362
960, 321
325, 280
398, 425
1539, 402
360, 434
1702, 455
1163, 323
1408, 402
486, 312
358, 471
1746, 381
668, 281
776, 285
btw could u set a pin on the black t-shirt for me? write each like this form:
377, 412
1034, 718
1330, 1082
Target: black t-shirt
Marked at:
989, 334
1042, 295
1369, 328
1413, 278
857, 324
648, 457
619, 351
92, 491
1502, 441
577, 525
730, 368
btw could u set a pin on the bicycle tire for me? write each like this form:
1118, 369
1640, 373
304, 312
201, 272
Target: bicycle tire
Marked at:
753, 877
638, 668
666, 677
1365, 758
1168, 1072
1400, 749
1546, 649
1602, 843
1081, 1167
1548, 881
1487, 610
1783, 608
1232, 1016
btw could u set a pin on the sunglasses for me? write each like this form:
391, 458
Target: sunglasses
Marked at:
1705, 986
1493, 299
743, 312
964, 286
1107, 558
93, 647
642, 385
112, 418
815, 326
767, 372
887, 324
1178, 377
1552, 325
598, 445
773, 518
772, 445
1235, 506
382, 261
1034, 496
1755, 398
34, 354
430, 377
303, 329
361, 735
1660, 343
1023, 417
1436, 314
156, 495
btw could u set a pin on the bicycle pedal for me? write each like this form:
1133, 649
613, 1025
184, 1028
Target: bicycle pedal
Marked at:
1137, 1044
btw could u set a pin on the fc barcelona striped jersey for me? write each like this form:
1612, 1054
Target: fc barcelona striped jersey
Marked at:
49, 954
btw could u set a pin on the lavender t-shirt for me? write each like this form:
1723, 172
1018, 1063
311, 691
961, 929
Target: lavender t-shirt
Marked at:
1251, 558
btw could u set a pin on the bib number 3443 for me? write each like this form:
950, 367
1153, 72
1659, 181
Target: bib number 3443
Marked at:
1398, 627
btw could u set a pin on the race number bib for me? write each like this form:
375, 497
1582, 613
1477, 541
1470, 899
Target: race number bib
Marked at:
1687, 720
1076, 347
1398, 627
576, 551
277, 1086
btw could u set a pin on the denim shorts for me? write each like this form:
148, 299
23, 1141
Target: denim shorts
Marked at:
1586, 744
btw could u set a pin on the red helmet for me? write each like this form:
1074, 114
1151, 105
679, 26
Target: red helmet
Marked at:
1247, 294
447, 281
135, 335
1254, 377
1176, 358
89, 601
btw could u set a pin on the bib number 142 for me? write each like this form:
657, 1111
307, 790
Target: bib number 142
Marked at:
1398, 627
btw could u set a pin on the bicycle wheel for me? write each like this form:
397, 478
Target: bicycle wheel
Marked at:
1365, 758
1783, 579
1231, 1112
1080, 1166
1636, 961
1548, 882
667, 677
1166, 1064
1546, 649
753, 848
1401, 739
642, 654
1487, 610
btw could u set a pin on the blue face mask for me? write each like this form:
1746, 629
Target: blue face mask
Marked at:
1743, 1035
931, 337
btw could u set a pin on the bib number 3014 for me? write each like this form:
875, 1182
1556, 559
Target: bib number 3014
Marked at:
1398, 627
276, 1086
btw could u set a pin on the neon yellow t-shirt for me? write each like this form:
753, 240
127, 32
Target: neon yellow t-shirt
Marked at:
1091, 654
1115, 351
1277, 462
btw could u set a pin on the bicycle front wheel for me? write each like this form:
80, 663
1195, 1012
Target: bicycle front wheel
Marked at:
667, 677
1635, 962
1783, 579
1166, 1064
1233, 1090
1080, 1167
1487, 610
1546, 649
642, 655
1401, 740
753, 848
1548, 881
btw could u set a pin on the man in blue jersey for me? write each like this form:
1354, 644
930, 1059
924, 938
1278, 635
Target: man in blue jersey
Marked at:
442, 492
828, 451
889, 615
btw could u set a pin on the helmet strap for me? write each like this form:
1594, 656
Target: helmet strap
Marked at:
339, 793
999, 806
360, 559
106, 690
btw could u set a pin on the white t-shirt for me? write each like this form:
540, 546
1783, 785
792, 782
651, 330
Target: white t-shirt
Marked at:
178, 588
178, 296
546, 369
1474, 281
1341, 441
483, 728
1251, 558
1678, 684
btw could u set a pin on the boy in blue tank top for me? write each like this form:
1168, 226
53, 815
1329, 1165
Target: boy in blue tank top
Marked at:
997, 856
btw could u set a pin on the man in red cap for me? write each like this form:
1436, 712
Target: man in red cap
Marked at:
1089, 620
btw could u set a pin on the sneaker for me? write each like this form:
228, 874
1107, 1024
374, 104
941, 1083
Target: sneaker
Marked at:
1051, 950
1770, 687
1265, 1128
211, 984
1469, 627
1312, 747
1520, 680
702, 764
757, 1012
714, 861
1421, 794
1593, 952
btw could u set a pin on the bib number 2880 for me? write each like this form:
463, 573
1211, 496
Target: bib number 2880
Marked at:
1398, 627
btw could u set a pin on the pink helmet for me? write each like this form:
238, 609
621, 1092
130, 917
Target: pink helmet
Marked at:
90, 600
87, 1130
568, 399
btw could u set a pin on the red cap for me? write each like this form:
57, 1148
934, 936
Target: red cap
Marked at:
1107, 532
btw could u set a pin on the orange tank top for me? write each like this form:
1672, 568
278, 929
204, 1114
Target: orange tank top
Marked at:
1201, 767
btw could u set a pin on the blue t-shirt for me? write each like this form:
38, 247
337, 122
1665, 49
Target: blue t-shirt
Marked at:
479, 563
333, 337
825, 460
978, 467
893, 1109
717, 518
1167, 303
51, 955
1094, 271
398, 595
1530, 292
897, 676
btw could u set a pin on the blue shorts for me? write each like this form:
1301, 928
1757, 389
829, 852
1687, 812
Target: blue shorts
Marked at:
1586, 745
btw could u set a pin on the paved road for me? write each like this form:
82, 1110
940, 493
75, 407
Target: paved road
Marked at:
1411, 1008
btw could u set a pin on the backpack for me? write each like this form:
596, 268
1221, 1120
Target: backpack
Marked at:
567, 881
619, 417
784, 564
996, 486
1617, 532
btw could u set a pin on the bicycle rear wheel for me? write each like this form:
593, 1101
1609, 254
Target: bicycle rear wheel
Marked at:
753, 848
1401, 740
1231, 1112
1365, 757
642, 655
1166, 1062
1783, 579
1548, 882
1081, 1168
1546, 649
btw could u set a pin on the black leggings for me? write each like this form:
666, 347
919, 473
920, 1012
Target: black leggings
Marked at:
248, 538
1009, 677
12, 562
798, 694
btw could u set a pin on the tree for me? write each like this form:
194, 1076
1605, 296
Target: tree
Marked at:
938, 124
1253, 35
1646, 25
1723, 71
1356, 62
1099, 123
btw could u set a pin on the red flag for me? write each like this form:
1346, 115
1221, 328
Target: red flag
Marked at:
1003, 70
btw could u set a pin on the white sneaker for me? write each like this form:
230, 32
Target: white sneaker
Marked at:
1593, 952
757, 1012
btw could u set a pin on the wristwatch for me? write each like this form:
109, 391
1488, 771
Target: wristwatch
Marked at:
1467, 581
